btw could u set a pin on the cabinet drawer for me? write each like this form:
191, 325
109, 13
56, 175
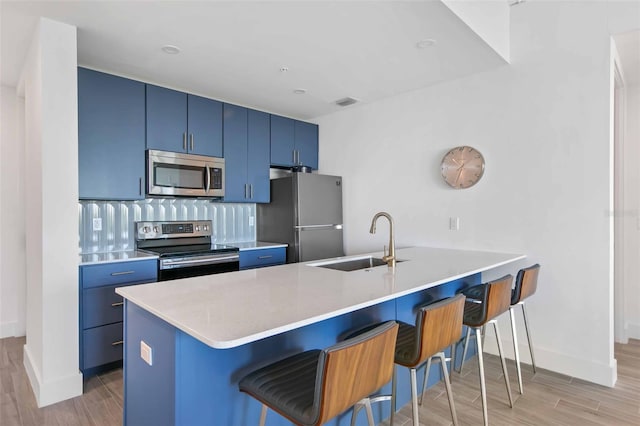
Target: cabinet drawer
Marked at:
100, 306
262, 257
101, 345
138, 271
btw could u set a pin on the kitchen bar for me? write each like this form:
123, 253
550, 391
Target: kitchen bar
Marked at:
188, 342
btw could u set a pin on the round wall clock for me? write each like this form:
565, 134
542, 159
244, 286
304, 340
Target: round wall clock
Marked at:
462, 167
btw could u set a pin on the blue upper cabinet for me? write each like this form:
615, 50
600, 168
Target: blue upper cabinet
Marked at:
293, 143
235, 153
180, 122
306, 138
111, 129
282, 141
258, 141
204, 124
246, 153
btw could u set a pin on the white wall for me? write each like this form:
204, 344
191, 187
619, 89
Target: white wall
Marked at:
631, 212
543, 126
12, 238
51, 186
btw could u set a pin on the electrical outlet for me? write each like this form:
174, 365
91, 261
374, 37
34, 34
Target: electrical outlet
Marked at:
251, 220
454, 223
146, 353
97, 224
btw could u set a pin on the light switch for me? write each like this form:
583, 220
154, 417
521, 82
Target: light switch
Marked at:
146, 353
454, 223
97, 224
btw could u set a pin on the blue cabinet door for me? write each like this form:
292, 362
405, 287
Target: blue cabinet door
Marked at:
258, 156
204, 126
166, 119
282, 141
306, 143
110, 137
235, 153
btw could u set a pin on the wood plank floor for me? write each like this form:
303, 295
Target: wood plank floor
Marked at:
549, 398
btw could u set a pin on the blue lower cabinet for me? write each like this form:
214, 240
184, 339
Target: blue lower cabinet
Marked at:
259, 258
101, 310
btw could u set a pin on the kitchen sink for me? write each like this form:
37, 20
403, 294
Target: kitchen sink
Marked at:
353, 264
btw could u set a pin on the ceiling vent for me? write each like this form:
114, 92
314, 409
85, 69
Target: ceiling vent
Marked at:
346, 101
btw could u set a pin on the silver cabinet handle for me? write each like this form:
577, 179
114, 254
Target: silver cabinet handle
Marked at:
245, 190
293, 153
184, 141
118, 343
115, 274
139, 186
116, 304
191, 142
251, 191
265, 257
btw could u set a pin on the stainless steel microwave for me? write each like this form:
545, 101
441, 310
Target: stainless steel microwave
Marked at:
184, 175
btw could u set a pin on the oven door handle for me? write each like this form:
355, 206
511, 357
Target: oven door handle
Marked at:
204, 260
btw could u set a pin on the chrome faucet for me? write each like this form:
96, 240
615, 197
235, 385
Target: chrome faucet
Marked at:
391, 257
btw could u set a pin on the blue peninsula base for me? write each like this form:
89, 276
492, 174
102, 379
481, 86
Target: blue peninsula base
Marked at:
189, 383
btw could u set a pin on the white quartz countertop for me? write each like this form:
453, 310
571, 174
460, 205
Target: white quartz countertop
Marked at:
115, 256
256, 245
235, 308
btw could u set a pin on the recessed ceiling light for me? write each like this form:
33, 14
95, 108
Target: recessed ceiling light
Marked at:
284, 68
299, 91
423, 44
170, 49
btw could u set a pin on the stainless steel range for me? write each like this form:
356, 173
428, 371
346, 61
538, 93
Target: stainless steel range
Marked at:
184, 249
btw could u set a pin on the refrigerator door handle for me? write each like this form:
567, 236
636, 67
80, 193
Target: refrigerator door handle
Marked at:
309, 227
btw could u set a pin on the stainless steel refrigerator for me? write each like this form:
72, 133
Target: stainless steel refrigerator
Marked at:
306, 213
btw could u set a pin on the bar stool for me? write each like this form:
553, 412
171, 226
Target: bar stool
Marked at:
313, 387
484, 303
438, 326
526, 285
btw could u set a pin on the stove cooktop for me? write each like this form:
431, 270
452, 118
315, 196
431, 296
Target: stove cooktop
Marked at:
191, 249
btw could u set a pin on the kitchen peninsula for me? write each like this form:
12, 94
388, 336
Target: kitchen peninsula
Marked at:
188, 342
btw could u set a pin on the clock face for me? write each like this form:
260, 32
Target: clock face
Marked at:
462, 167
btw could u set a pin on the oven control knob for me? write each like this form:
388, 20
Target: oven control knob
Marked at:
205, 227
197, 227
146, 229
155, 229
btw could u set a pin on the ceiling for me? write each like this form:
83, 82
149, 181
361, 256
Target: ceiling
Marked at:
234, 51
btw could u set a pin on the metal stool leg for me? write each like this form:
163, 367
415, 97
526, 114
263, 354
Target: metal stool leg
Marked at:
516, 351
426, 379
414, 397
394, 384
483, 389
464, 351
263, 415
447, 385
503, 361
526, 329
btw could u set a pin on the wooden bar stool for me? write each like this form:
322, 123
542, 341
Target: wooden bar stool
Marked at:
437, 327
313, 387
526, 285
484, 303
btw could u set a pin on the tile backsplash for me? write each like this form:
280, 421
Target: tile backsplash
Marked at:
108, 225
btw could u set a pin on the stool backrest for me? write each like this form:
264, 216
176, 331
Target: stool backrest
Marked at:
526, 283
439, 325
498, 296
354, 368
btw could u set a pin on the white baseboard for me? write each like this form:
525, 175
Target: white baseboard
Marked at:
8, 329
580, 368
632, 331
53, 391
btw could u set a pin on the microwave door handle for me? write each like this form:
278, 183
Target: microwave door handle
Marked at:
208, 178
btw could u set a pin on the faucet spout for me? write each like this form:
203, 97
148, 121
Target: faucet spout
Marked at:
390, 258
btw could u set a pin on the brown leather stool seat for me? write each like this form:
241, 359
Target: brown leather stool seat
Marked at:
312, 387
